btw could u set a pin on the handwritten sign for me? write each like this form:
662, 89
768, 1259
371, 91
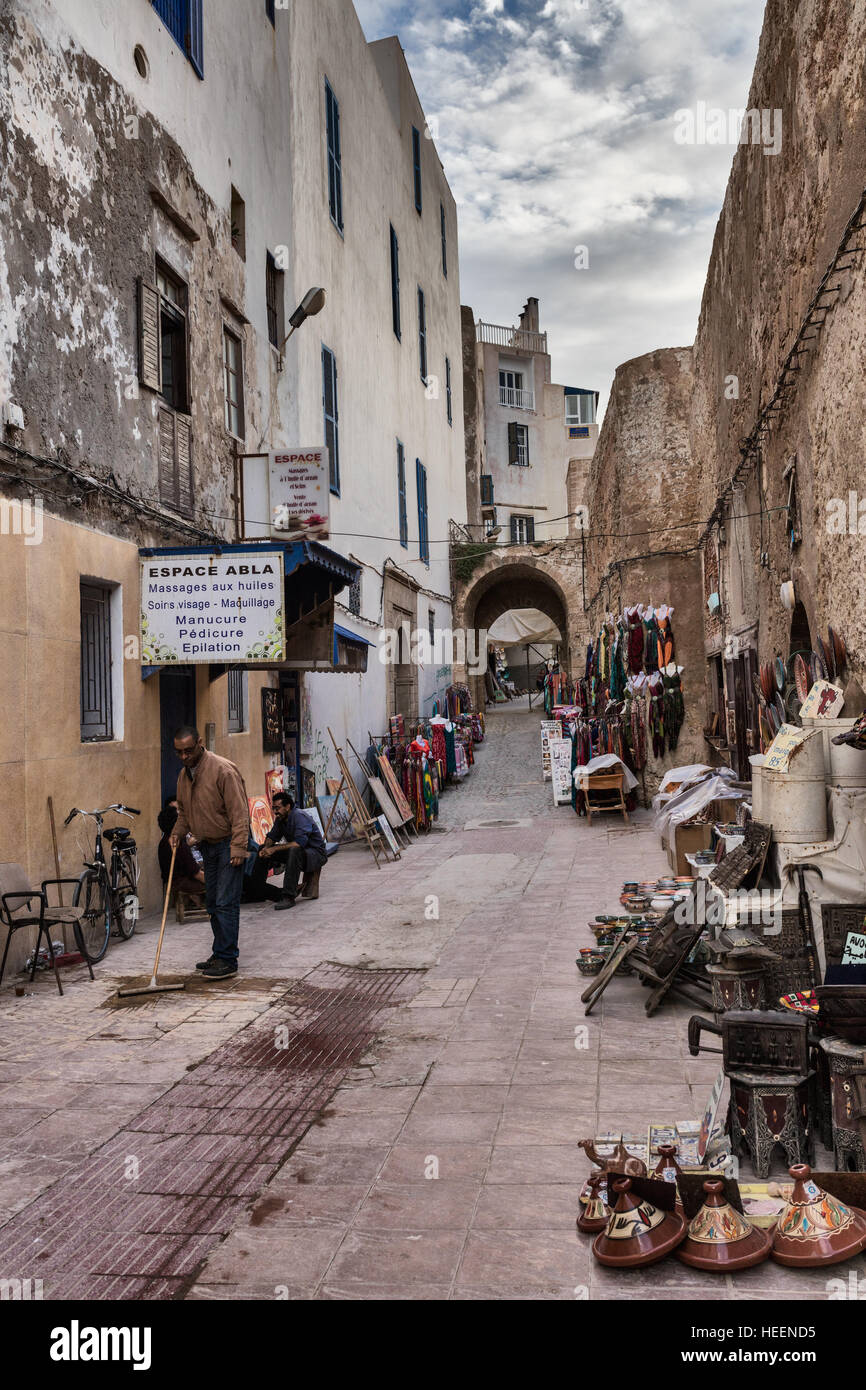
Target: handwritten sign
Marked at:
855, 948
560, 769
786, 742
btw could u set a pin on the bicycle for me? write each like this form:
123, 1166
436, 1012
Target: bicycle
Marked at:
108, 892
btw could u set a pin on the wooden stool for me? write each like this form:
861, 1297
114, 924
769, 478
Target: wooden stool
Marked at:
768, 1110
604, 781
736, 989
843, 1058
189, 907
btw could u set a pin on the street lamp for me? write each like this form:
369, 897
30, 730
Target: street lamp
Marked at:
312, 303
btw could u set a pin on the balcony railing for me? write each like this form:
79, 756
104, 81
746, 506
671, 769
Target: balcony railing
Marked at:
518, 339
516, 398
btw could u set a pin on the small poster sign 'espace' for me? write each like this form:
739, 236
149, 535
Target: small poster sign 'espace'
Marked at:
299, 490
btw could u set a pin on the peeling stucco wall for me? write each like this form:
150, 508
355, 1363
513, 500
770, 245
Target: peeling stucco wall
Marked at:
78, 225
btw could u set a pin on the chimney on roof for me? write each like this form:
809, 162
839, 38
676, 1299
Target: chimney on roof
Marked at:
529, 316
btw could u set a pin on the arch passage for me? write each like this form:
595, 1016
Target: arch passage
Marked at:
514, 584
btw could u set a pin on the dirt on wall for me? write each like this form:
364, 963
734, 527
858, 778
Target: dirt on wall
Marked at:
93, 190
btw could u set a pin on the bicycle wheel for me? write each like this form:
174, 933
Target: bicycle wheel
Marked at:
94, 927
126, 897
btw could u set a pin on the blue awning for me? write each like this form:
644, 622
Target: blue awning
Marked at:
351, 637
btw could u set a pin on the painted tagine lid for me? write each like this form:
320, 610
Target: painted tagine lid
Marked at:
719, 1238
815, 1228
637, 1233
594, 1214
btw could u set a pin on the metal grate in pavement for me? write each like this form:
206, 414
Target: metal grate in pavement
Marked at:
137, 1218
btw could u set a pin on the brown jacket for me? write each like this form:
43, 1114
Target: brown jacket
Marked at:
213, 804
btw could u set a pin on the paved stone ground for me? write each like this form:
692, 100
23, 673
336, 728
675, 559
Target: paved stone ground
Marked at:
477, 1079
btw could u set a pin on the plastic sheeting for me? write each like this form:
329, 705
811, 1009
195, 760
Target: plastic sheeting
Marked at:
705, 785
522, 625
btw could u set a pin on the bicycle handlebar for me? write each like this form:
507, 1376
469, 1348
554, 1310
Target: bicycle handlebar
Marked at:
122, 810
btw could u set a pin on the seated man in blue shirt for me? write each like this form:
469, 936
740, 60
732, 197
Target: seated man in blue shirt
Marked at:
297, 839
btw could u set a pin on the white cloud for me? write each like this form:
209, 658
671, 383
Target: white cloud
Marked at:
555, 127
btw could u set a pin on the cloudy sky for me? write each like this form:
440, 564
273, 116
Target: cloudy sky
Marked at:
555, 122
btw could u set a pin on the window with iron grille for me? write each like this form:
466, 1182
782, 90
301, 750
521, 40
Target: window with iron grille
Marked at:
518, 445
448, 390
335, 158
444, 240
416, 166
233, 365
183, 20
423, 536
395, 282
487, 489
401, 495
431, 626
238, 700
331, 415
522, 529
97, 722
275, 301
422, 334
354, 603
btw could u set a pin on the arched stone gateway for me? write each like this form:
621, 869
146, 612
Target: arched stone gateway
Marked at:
524, 579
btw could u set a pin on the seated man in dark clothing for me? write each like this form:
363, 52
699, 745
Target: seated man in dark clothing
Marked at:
296, 839
188, 876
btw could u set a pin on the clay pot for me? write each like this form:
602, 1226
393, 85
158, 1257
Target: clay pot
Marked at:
594, 1214
815, 1228
720, 1239
667, 1169
637, 1233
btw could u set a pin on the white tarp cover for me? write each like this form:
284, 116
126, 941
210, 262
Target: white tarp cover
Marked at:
522, 625
693, 796
598, 764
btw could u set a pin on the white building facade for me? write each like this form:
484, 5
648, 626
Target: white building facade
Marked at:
539, 437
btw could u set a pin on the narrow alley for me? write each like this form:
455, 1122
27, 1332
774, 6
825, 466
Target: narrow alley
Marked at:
382, 1104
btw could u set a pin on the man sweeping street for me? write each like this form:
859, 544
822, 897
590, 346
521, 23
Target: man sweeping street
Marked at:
212, 803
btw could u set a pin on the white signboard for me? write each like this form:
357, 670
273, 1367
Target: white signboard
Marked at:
300, 492
550, 728
855, 948
212, 608
560, 767
286, 494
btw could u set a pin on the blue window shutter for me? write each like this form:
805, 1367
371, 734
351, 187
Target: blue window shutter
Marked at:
444, 240
331, 416
195, 35
395, 282
416, 166
423, 535
335, 160
401, 495
422, 335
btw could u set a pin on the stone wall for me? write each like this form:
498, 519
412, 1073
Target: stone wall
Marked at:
781, 224
642, 534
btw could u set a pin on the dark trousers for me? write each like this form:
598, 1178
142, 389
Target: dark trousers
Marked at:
256, 887
223, 885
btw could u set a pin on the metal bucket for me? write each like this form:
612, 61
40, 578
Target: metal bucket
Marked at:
843, 766
795, 806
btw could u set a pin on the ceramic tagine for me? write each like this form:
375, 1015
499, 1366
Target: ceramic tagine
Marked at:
594, 1213
719, 1238
637, 1233
815, 1228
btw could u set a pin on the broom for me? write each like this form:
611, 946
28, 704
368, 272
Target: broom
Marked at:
153, 987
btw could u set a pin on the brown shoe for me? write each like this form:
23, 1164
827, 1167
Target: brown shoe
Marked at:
311, 885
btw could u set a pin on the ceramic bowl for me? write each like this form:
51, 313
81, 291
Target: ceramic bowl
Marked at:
590, 965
